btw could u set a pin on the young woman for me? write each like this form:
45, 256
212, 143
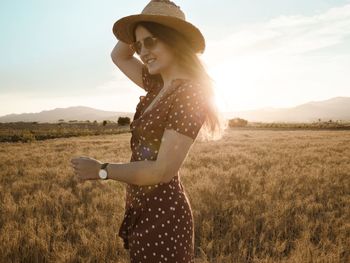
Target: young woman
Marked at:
158, 222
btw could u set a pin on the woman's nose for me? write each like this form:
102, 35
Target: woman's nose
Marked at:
144, 51
144, 55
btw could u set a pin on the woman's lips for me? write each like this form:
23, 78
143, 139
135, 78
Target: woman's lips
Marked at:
150, 61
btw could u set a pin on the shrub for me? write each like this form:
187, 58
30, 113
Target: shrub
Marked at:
238, 122
123, 120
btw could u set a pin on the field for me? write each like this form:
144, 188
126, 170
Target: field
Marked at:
257, 196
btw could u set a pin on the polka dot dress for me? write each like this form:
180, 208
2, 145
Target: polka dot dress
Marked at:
158, 221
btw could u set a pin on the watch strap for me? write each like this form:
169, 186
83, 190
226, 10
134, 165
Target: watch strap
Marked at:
104, 165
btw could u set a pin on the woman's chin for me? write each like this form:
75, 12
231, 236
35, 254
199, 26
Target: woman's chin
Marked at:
153, 69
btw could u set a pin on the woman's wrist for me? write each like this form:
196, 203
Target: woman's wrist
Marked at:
109, 170
122, 50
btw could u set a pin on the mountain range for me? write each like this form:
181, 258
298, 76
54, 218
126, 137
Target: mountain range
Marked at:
337, 108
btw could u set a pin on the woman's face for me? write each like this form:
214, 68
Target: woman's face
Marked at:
161, 53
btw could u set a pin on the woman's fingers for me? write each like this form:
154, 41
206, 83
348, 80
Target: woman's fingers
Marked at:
75, 165
75, 160
84, 167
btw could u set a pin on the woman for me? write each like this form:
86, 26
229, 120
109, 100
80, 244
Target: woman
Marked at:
158, 221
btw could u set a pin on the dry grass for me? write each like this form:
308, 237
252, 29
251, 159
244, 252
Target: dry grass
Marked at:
257, 196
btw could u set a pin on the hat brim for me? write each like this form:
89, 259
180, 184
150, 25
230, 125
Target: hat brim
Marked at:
123, 29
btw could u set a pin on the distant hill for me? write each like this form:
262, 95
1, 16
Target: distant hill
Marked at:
78, 113
337, 108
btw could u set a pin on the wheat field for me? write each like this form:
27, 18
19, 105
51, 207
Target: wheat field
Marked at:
257, 196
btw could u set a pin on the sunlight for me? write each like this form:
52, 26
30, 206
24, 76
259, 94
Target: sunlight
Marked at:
219, 100
240, 82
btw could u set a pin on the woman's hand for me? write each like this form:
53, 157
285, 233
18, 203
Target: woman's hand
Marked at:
86, 168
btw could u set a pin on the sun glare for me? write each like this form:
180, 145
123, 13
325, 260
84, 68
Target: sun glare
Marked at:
236, 81
219, 101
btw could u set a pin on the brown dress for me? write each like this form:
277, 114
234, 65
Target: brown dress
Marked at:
158, 221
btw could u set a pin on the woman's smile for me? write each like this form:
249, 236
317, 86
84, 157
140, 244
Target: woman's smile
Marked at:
150, 61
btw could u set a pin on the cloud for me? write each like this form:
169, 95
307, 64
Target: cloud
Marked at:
288, 35
118, 83
285, 61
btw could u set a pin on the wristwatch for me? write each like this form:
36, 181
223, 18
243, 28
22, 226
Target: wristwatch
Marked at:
103, 171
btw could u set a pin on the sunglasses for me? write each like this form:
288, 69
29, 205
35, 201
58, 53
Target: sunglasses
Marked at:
148, 42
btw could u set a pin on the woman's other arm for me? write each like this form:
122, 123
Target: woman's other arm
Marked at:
172, 153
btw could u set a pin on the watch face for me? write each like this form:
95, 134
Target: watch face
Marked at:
103, 174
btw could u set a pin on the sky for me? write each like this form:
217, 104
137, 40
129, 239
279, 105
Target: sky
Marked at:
271, 53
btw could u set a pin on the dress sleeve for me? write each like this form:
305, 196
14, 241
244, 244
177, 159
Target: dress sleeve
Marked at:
187, 112
150, 81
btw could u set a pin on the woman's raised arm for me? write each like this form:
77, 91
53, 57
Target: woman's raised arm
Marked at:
123, 57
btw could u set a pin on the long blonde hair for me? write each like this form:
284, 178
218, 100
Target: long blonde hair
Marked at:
215, 123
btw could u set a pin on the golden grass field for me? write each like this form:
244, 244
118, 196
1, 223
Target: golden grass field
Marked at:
257, 196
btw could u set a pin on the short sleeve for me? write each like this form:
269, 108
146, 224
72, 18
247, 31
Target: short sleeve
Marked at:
187, 112
150, 81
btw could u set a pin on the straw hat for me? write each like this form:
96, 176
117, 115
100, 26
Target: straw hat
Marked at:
164, 12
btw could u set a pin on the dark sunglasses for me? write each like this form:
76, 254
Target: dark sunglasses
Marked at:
148, 42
